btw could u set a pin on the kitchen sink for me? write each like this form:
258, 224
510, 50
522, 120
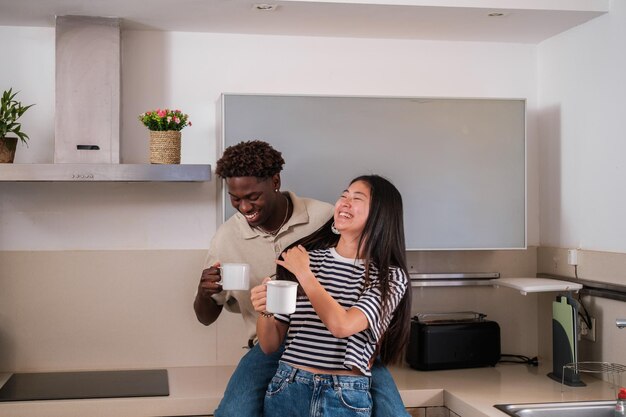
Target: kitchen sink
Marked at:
560, 409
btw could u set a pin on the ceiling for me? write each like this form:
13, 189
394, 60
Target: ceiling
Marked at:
522, 21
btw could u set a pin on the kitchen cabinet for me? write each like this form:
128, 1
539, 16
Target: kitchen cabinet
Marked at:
463, 185
431, 412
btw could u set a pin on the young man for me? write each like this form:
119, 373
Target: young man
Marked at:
266, 222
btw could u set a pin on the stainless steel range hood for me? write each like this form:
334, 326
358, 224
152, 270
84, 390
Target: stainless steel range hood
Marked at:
87, 89
87, 112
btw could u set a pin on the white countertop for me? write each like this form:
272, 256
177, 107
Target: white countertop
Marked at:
469, 393
473, 392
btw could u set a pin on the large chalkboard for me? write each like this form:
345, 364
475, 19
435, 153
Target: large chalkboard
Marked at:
460, 164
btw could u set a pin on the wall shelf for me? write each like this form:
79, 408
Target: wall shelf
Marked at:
524, 285
529, 285
104, 173
462, 279
594, 288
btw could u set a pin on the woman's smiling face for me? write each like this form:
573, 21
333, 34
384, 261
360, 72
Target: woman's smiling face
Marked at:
352, 208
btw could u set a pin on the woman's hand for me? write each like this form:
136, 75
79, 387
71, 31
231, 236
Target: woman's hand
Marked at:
258, 296
296, 261
340, 322
269, 331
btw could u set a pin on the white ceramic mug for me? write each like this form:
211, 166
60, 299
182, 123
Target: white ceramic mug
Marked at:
235, 277
281, 297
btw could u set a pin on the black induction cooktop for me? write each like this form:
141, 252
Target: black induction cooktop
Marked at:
85, 384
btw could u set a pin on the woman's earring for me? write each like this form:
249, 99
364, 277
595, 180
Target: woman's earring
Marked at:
334, 229
275, 190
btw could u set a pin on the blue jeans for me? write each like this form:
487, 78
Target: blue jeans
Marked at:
245, 391
297, 393
387, 400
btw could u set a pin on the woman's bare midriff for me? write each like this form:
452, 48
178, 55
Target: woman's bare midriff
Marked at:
352, 371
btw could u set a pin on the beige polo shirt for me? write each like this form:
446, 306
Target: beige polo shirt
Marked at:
236, 241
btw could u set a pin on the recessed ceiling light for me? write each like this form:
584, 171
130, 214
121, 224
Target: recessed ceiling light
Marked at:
266, 7
496, 14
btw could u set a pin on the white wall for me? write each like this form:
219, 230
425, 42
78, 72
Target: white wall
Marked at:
189, 71
88, 221
582, 143
28, 67
575, 145
582, 91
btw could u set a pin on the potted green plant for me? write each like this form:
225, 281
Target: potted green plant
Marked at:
165, 126
10, 111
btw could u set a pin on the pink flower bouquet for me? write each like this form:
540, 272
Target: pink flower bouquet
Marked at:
164, 119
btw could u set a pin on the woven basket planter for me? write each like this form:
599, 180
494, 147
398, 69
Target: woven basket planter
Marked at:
7, 149
165, 147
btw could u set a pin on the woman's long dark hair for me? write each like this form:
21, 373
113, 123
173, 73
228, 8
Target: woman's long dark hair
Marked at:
382, 246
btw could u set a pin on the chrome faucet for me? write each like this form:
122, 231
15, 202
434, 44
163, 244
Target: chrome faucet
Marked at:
621, 323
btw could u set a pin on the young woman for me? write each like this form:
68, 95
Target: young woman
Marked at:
354, 305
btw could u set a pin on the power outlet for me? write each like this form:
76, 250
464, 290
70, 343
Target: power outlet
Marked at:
572, 257
587, 333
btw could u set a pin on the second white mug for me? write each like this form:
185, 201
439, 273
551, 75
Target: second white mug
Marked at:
281, 297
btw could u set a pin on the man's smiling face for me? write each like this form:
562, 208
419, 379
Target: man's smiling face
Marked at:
254, 197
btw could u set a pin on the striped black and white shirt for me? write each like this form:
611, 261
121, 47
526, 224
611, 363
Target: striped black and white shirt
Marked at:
309, 343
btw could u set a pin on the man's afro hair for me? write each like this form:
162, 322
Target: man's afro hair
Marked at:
254, 158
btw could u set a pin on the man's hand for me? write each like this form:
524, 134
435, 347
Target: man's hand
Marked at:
210, 281
207, 310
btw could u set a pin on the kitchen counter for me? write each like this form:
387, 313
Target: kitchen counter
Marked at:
469, 393
473, 392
